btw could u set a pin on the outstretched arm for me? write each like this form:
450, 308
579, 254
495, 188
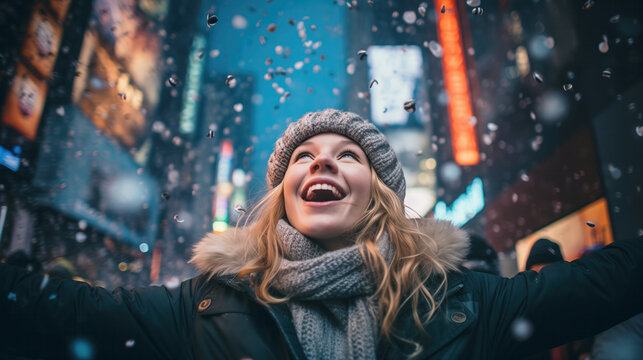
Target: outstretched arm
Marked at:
564, 301
43, 317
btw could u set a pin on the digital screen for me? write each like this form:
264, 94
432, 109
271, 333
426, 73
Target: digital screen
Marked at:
42, 41
25, 102
9, 160
398, 72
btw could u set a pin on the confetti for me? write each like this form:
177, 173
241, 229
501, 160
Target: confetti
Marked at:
409, 106
272, 27
210, 134
588, 4
362, 54
443, 9
422, 9
123, 96
165, 196
371, 2
60, 111
285, 96
130, 343
173, 80
436, 49
262, 40
211, 19
568, 87
477, 11
230, 81
538, 77
603, 46
249, 150
12, 296
370, 85
473, 3
177, 219
532, 115
239, 208
590, 224
607, 73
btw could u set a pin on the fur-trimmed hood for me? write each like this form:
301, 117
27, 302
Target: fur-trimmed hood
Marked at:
225, 254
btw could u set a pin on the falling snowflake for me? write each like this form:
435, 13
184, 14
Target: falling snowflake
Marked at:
521, 329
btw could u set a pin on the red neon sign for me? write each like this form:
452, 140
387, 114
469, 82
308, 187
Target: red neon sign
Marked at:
463, 134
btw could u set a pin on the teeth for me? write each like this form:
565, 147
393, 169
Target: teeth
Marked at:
336, 192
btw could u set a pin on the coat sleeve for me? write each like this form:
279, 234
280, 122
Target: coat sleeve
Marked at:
52, 318
563, 302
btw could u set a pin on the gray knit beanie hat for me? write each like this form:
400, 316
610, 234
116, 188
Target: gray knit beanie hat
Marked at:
348, 124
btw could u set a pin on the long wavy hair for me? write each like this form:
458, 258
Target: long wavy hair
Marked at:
398, 283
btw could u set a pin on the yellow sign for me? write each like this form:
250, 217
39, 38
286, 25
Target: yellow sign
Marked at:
574, 233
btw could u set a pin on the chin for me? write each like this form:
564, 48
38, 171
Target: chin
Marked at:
324, 230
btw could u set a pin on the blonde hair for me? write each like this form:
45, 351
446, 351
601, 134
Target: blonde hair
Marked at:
400, 282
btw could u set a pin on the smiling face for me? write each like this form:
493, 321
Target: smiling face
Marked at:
327, 187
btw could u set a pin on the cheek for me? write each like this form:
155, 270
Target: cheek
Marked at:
362, 187
290, 187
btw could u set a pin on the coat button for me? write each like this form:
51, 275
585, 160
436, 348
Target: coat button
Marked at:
204, 304
458, 317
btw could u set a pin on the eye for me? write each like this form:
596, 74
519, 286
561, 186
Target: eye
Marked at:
303, 155
349, 154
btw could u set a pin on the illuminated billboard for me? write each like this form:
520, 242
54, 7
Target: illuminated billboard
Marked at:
42, 41
25, 101
586, 228
133, 41
107, 95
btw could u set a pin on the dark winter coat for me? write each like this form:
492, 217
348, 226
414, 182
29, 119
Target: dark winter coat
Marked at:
483, 316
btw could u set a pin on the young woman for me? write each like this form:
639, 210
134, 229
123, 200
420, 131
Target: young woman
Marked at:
328, 267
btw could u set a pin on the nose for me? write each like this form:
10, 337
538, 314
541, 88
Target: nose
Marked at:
323, 163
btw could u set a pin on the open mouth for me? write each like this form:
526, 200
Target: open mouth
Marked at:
322, 192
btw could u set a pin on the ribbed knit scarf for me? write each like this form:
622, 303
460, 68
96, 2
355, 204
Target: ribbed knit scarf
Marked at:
329, 292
